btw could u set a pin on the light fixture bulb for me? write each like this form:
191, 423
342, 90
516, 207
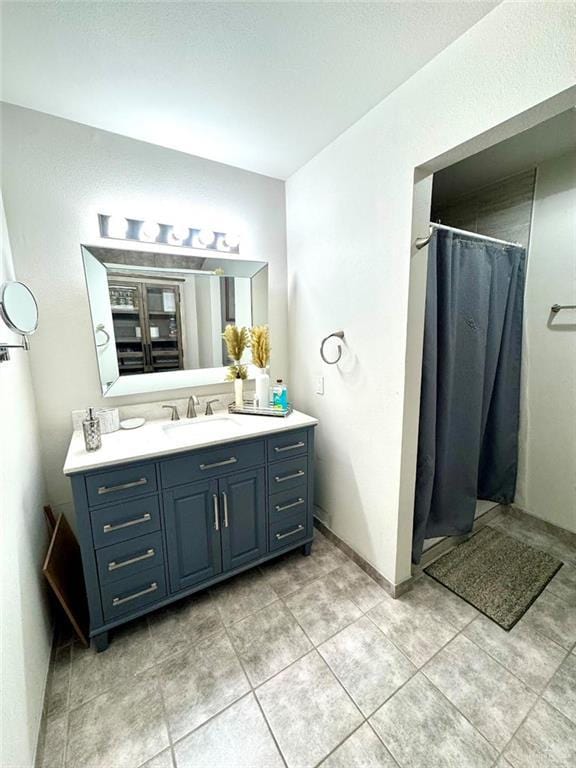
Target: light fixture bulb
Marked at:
117, 226
179, 233
149, 230
206, 237
231, 240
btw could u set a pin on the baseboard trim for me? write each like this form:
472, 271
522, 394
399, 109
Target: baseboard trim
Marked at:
394, 590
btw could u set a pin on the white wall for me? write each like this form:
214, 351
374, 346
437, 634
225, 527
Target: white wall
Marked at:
56, 176
349, 214
25, 626
547, 461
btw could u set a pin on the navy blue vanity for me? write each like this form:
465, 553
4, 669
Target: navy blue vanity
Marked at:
153, 531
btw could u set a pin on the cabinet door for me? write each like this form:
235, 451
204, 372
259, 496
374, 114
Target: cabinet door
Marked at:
192, 534
243, 515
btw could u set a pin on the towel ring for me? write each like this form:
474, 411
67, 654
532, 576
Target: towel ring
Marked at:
335, 335
100, 329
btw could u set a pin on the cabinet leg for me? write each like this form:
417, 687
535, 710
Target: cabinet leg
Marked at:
307, 548
101, 642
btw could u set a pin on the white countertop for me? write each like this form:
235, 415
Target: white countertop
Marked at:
152, 440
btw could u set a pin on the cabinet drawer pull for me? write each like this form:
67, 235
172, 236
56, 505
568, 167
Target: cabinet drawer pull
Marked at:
109, 528
289, 447
216, 515
231, 460
113, 565
119, 600
225, 497
282, 507
279, 479
124, 487
280, 536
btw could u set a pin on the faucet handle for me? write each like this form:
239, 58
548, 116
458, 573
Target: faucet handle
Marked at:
174, 409
209, 411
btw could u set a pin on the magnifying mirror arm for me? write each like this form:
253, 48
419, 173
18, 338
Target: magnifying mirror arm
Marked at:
5, 355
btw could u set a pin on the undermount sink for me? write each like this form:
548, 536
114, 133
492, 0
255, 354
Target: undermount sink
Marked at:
202, 428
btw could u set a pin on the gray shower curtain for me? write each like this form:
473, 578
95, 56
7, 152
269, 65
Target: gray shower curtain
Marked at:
470, 398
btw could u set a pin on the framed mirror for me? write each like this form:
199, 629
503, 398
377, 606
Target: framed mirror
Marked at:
158, 317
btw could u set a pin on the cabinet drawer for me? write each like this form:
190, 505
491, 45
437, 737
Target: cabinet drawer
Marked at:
288, 503
130, 595
129, 557
118, 484
287, 444
291, 530
120, 522
287, 474
212, 463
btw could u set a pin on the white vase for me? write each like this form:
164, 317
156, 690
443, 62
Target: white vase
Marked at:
238, 393
262, 387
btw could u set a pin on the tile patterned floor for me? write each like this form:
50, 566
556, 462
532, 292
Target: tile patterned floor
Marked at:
308, 662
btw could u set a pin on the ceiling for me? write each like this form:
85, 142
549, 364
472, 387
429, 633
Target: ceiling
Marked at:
261, 85
528, 149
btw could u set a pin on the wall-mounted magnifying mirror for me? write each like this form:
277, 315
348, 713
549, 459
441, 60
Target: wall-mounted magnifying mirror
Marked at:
19, 310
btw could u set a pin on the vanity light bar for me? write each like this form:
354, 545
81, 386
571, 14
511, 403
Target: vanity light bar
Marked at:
120, 228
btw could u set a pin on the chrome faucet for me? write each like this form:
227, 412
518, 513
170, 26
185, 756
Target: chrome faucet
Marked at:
191, 411
174, 409
209, 411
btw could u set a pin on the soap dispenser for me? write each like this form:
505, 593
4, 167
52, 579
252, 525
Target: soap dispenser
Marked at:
92, 432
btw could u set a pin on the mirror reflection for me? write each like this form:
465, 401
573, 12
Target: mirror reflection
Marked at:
156, 313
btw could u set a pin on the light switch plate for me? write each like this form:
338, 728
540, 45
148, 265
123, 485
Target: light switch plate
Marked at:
319, 385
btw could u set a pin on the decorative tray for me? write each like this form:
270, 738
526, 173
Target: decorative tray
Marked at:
251, 410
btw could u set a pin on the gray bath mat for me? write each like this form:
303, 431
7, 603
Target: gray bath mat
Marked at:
498, 575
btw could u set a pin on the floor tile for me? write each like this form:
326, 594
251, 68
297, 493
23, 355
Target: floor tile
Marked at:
358, 586
530, 532
308, 710
52, 745
322, 608
163, 760
563, 585
441, 603
492, 699
122, 727
367, 664
268, 641
412, 628
561, 692
546, 739
93, 673
527, 654
58, 689
236, 738
242, 595
175, 628
554, 618
361, 750
423, 730
200, 683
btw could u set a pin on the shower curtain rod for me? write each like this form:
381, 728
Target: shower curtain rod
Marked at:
422, 241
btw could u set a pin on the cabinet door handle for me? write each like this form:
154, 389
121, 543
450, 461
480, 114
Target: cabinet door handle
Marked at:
231, 460
216, 512
280, 536
289, 477
119, 600
289, 447
113, 565
225, 498
282, 507
124, 487
109, 528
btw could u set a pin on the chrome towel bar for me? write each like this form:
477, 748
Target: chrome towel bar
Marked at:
557, 307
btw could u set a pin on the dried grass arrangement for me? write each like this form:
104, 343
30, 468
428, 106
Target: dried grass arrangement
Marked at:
236, 339
260, 343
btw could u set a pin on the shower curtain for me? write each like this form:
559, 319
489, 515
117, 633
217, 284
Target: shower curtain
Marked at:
470, 397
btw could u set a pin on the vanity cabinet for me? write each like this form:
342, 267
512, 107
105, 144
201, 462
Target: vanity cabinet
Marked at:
154, 531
